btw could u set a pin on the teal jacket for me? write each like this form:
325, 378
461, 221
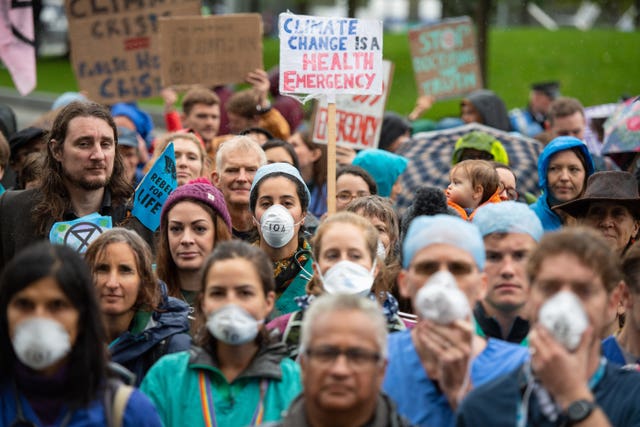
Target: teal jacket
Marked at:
172, 385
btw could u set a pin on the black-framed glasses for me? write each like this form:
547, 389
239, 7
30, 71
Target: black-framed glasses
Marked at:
357, 358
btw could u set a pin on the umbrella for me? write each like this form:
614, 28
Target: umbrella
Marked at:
429, 155
596, 115
622, 130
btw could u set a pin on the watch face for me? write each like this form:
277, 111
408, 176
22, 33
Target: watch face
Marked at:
579, 410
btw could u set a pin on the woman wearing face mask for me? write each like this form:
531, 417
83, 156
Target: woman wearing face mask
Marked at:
345, 250
379, 211
234, 376
278, 201
53, 366
193, 220
143, 323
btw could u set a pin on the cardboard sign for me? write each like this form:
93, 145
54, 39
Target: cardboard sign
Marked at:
330, 55
80, 233
154, 189
359, 117
445, 62
114, 45
210, 50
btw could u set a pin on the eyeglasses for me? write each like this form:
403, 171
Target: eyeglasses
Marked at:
357, 358
512, 194
457, 268
346, 197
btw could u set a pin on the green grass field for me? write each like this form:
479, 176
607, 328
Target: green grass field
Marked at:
596, 67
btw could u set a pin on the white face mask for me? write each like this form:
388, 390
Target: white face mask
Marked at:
564, 316
40, 342
346, 277
277, 226
441, 301
233, 325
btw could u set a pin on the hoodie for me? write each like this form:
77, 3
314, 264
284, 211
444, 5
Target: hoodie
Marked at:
385, 168
491, 109
549, 219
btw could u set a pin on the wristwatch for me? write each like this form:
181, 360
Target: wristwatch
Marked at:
579, 411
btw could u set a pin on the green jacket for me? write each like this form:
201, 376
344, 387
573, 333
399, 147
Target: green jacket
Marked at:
172, 385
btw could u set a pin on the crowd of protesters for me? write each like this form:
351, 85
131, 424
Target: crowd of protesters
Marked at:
476, 305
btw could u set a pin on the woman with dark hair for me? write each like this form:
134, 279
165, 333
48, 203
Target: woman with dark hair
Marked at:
353, 182
193, 220
563, 169
312, 164
143, 323
53, 366
279, 151
279, 200
235, 376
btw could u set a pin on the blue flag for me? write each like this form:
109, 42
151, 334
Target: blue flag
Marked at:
154, 189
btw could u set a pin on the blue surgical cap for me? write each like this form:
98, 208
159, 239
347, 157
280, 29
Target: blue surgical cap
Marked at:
272, 168
508, 217
425, 231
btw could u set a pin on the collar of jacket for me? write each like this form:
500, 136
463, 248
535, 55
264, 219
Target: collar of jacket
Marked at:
491, 327
385, 414
265, 364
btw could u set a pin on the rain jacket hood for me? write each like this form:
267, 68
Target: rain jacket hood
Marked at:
383, 166
549, 219
482, 142
491, 108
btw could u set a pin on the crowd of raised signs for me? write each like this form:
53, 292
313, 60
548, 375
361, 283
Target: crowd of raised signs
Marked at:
494, 300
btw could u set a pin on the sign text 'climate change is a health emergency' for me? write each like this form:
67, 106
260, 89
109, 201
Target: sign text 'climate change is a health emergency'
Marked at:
324, 55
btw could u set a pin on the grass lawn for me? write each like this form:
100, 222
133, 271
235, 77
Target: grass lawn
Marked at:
596, 67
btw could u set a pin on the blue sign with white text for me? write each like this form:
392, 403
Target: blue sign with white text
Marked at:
154, 189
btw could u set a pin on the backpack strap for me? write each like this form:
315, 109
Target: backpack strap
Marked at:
120, 399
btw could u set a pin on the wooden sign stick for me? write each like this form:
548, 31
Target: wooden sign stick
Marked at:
331, 155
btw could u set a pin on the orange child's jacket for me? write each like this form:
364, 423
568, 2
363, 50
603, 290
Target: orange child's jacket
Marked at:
495, 198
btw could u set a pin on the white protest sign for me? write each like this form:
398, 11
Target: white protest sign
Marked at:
320, 55
358, 117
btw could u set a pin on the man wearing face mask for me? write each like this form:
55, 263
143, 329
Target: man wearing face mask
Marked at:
432, 366
575, 289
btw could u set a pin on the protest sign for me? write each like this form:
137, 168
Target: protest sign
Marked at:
445, 63
326, 57
358, 117
81, 232
154, 189
210, 50
321, 55
114, 45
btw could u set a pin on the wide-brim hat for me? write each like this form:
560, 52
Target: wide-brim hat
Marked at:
617, 187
